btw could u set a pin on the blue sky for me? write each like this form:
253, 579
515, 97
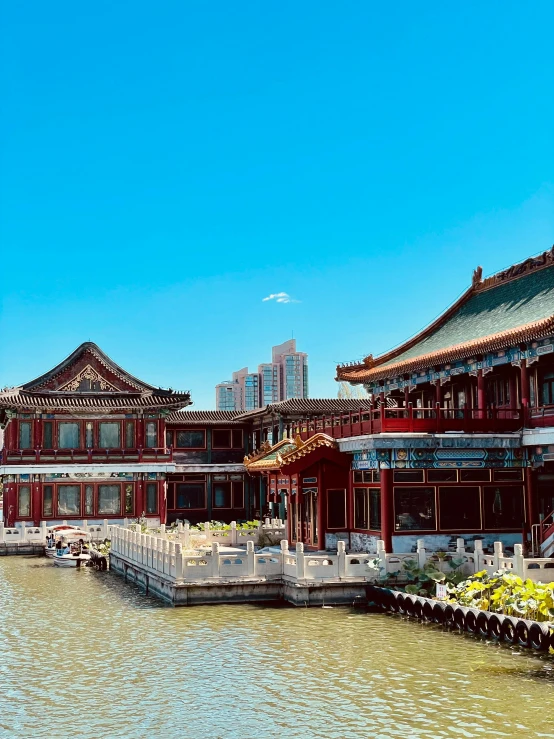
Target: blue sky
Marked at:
166, 166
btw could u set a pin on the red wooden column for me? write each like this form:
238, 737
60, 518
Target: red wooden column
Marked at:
406, 396
481, 401
530, 500
525, 390
321, 507
513, 392
139, 496
387, 513
36, 502
162, 497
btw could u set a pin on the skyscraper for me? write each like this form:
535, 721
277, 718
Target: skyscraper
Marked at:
286, 376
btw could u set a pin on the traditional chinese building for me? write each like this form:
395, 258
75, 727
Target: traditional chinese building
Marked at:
458, 438
209, 481
86, 440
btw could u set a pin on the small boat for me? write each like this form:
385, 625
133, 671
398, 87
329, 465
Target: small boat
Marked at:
70, 534
71, 560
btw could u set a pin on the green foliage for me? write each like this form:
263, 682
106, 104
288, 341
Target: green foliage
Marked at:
422, 581
220, 526
505, 593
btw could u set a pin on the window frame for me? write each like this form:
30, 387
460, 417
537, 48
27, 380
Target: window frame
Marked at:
236, 484
196, 484
456, 488
368, 491
521, 489
20, 443
435, 507
227, 484
230, 432
176, 433
59, 514
327, 500
99, 434
25, 486
110, 484
59, 424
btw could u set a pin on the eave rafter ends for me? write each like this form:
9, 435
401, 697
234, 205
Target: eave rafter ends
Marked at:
114, 390
383, 367
270, 458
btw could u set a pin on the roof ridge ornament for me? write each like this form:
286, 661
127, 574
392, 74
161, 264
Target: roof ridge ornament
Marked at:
532, 264
477, 278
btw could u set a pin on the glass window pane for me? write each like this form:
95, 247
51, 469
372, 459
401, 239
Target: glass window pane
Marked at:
222, 495
336, 509
237, 438
68, 435
47, 500
190, 496
69, 500
459, 508
191, 439
408, 476
89, 437
24, 501
475, 475
151, 435
89, 500
169, 439
503, 506
414, 509
151, 497
375, 509
221, 439
47, 437
361, 517
129, 435
129, 498
501, 475
25, 435
238, 495
109, 499
442, 475
109, 435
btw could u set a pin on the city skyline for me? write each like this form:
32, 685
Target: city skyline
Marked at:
285, 377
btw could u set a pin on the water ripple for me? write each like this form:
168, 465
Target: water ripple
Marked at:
86, 654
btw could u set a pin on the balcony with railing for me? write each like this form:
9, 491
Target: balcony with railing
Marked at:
86, 456
435, 419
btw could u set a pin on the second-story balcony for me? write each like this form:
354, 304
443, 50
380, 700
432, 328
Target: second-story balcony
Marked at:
427, 420
86, 456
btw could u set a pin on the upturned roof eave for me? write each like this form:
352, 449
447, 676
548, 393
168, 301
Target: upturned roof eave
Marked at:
492, 342
103, 358
371, 362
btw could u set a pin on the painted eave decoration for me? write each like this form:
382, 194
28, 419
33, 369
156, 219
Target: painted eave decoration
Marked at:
511, 307
89, 380
286, 452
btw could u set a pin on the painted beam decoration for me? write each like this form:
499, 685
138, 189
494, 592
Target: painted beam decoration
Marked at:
513, 355
401, 459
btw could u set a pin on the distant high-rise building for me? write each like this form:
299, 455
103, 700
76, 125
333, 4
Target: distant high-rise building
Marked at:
286, 376
293, 376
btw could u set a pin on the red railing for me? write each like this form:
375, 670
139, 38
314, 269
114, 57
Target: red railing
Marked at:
432, 420
540, 417
86, 456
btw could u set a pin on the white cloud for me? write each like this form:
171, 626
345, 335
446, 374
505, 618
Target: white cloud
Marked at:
280, 298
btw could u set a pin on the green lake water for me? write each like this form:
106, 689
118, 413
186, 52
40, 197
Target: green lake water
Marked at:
86, 655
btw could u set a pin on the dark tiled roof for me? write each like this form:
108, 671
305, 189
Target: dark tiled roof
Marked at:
17, 399
90, 350
308, 406
201, 418
267, 459
486, 319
